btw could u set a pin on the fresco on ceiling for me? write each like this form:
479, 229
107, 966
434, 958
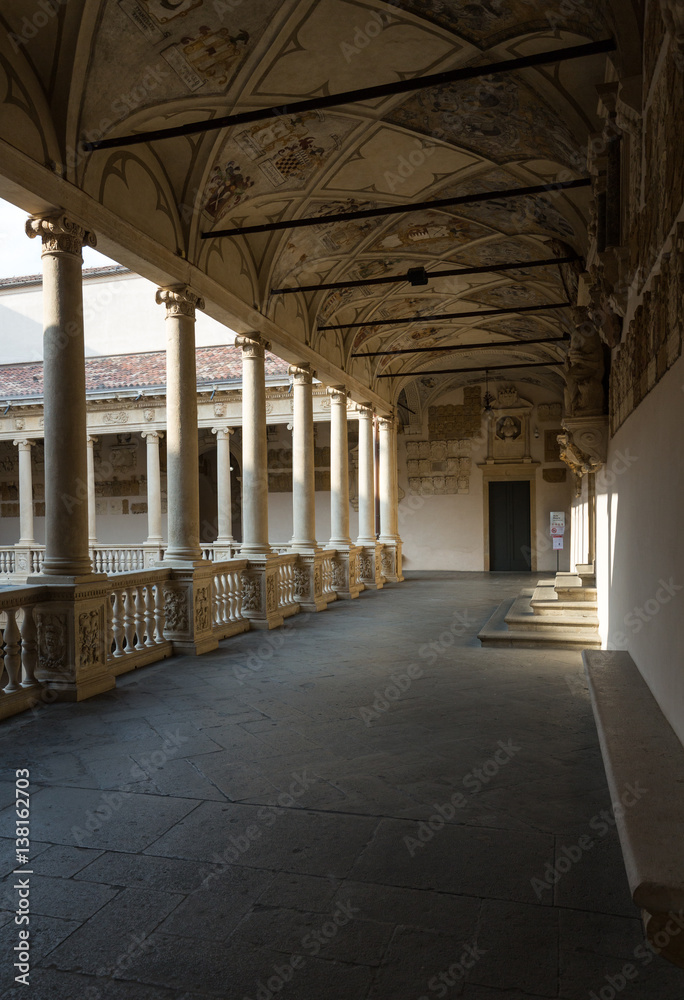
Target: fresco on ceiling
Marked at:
494, 20
534, 215
270, 157
519, 327
512, 295
164, 50
435, 234
496, 116
501, 251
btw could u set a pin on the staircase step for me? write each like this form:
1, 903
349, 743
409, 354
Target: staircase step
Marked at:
546, 601
522, 617
496, 632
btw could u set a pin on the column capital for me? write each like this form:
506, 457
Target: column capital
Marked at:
365, 410
92, 438
253, 345
387, 421
59, 234
23, 443
338, 393
302, 373
152, 434
179, 300
223, 432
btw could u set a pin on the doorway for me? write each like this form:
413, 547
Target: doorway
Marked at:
509, 527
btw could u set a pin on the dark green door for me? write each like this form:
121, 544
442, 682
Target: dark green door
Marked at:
509, 527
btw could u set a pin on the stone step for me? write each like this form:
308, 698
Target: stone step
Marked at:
497, 632
522, 617
570, 587
546, 601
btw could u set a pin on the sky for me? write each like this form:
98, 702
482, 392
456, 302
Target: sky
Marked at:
19, 255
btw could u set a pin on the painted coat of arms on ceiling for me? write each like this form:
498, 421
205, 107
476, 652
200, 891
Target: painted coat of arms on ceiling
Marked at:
285, 153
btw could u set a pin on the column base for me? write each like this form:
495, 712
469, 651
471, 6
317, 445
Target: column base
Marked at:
370, 566
260, 592
188, 606
72, 630
309, 581
391, 560
346, 573
223, 549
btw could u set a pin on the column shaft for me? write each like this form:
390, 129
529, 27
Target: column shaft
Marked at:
92, 520
303, 462
154, 512
339, 470
388, 482
181, 423
254, 448
66, 490
25, 493
225, 519
366, 479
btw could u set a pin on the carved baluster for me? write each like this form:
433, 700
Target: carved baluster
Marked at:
129, 619
139, 606
12, 651
149, 616
117, 622
159, 617
29, 648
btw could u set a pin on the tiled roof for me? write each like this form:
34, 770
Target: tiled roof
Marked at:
20, 281
135, 371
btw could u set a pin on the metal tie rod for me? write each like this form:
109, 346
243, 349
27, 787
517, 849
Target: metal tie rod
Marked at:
462, 347
368, 213
462, 315
354, 96
459, 371
448, 273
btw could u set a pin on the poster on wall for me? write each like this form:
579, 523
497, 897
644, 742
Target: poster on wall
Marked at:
557, 522
557, 542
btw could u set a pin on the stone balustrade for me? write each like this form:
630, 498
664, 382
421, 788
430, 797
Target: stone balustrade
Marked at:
19, 688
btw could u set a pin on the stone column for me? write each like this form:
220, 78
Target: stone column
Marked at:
370, 559
25, 493
254, 448
182, 449
309, 568
303, 475
188, 595
72, 623
345, 566
224, 542
389, 501
66, 490
260, 579
92, 520
153, 544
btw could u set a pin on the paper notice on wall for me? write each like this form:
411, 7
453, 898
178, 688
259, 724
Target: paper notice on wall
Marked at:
557, 542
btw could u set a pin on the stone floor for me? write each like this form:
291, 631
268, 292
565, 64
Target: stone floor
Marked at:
364, 805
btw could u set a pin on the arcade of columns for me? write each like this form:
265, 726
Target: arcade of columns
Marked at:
75, 590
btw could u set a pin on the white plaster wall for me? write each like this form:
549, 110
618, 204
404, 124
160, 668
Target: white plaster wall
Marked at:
639, 543
120, 317
447, 532
280, 518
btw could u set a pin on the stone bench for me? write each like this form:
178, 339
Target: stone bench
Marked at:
642, 752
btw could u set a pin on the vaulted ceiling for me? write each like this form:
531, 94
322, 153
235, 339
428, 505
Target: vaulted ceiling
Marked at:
113, 67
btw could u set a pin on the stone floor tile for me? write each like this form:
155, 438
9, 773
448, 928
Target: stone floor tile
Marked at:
311, 893
236, 781
261, 837
520, 946
125, 821
413, 963
109, 942
136, 871
437, 912
64, 862
46, 935
463, 860
214, 909
62, 897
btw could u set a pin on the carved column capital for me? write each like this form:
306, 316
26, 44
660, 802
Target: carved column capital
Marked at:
252, 344
364, 411
152, 434
301, 373
179, 301
223, 433
23, 444
337, 393
59, 234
